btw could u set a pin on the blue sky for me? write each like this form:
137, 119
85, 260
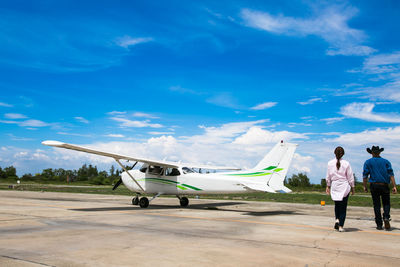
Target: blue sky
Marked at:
215, 82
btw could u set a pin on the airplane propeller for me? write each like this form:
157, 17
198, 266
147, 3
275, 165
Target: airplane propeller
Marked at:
117, 184
120, 179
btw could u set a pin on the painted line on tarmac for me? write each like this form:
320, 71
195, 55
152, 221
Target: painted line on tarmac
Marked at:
267, 223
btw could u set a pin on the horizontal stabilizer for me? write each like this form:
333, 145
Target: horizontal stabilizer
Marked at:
258, 187
284, 189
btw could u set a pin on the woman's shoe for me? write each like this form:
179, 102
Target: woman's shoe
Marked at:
341, 229
336, 227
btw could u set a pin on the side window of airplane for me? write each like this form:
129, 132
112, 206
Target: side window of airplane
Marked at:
156, 170
144, 168
172, 172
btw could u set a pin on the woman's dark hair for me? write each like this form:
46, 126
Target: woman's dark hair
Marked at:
339, 152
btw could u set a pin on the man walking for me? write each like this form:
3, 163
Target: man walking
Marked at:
380, 173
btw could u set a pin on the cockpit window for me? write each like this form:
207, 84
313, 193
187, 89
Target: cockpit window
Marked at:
172, 172
144, 168
156, 170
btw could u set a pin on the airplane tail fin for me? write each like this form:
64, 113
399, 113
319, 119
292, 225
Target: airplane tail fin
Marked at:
275, 166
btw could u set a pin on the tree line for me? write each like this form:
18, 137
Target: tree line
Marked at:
86, 173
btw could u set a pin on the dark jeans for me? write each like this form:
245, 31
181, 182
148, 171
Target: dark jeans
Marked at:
340, 210
378, 192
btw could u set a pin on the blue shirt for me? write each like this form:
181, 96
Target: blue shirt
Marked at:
378, 169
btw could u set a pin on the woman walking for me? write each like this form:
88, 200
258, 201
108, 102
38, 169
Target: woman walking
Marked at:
339, 183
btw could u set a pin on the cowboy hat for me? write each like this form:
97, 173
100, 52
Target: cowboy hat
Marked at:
375, 150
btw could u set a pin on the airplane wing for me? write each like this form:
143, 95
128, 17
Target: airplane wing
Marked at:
209, 167
107, 154
118, 157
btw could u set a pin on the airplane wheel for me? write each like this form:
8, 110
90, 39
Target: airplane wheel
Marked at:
135, 201
144, 202
184, 201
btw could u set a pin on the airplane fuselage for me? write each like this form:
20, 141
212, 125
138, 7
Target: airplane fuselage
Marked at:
184, 184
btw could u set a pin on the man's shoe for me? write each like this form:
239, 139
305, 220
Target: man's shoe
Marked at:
336, 227
379, 227
387, 224
341, 229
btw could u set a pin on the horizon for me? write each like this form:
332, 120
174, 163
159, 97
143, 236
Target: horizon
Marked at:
209, 83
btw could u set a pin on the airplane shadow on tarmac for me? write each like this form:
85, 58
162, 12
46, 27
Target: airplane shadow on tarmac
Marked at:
208, 206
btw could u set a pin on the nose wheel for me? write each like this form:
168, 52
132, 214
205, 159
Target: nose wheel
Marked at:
144, 202
135, 201
184, 201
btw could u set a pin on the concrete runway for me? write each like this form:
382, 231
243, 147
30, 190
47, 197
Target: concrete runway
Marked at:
62, 229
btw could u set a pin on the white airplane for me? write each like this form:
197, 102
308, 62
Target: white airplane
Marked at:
171, 178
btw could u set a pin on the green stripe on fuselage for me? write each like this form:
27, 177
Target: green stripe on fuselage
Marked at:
170, 182
246, 174
181, 187
255, 174
192, 187
270, 168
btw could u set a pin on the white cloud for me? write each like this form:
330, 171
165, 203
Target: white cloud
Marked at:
330, 24
144, 115
384, 70
224, 99
302, 163
81, 119
182, 90
364, 111
16, 138
14, 116
74, 134
136, 124
256, 135
33, 123
2, 104
127, 41
8, 122
161, 133
311, 101
27, 123
382, 63
224, 133
115, 135
332, 120
388, 91
264, 105
382, 136
112, 113
294, 124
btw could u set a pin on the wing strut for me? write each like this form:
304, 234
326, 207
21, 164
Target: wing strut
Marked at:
122, 166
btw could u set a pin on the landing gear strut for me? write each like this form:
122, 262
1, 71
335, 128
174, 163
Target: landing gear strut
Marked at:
143, 201
184, 201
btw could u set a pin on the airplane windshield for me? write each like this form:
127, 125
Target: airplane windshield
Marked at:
187, 170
